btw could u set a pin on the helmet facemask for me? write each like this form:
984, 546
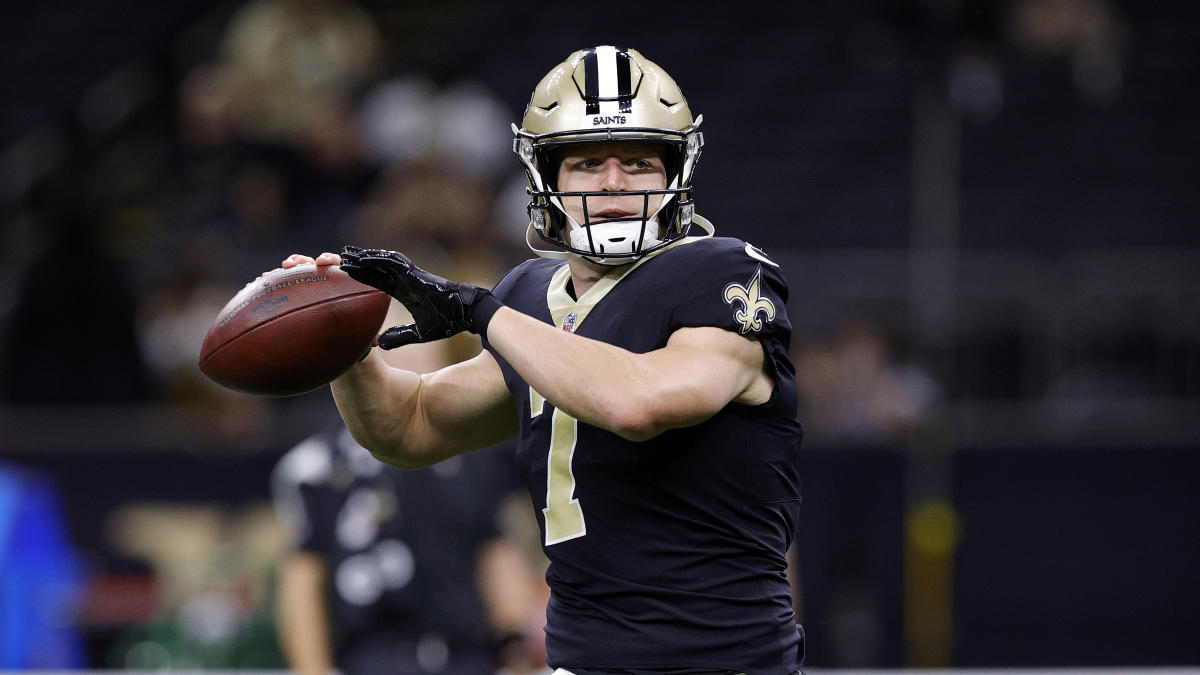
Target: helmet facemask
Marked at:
568, 110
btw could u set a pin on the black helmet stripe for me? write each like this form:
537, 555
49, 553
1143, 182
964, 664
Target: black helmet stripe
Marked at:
591, 81
624, 81
607, 77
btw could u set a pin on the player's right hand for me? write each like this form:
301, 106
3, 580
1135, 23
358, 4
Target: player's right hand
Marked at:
325, 258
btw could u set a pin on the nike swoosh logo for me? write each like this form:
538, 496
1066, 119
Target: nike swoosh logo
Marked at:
759, 255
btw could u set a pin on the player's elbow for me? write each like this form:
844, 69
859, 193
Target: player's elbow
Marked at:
391, 452
400, 460
635, 429
641, 419
634, 420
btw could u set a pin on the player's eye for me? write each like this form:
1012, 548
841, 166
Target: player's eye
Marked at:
645, 163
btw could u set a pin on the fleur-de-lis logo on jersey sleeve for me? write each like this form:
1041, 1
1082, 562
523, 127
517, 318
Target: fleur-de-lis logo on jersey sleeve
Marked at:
747, 303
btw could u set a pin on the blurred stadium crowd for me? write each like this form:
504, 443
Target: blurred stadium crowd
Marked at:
986, 210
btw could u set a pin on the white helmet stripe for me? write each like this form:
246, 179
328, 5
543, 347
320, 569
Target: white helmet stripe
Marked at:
606, 79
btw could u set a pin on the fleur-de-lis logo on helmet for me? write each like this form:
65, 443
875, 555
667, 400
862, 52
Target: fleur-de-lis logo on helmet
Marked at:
751, 303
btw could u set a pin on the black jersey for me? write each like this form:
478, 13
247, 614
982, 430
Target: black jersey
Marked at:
669, 553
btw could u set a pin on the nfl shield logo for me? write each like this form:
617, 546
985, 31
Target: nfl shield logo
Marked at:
569, 322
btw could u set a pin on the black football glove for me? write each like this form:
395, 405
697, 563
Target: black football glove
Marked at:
440, 307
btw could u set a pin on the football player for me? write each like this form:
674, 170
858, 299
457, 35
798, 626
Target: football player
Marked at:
641, 363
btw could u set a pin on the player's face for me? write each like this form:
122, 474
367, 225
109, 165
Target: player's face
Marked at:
611, 167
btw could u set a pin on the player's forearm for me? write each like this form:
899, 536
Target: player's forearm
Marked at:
592, 381
411, 421
377, 403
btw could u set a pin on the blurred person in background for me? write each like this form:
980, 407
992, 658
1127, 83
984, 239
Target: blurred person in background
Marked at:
401, 572
40, 577
853, 388
659, 444
295, 63
297, 70
359, 172
439, 145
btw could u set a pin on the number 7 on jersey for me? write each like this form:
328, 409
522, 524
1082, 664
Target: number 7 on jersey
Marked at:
563, 514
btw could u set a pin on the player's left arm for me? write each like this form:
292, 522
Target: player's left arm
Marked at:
700, 370
636, 396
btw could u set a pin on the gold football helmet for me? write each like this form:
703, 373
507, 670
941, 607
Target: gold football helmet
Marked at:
607, 94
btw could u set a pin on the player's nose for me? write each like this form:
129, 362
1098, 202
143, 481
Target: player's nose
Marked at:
613, 177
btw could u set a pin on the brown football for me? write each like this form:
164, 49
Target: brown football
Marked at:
292, 330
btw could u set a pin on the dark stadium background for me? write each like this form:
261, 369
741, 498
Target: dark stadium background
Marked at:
1013, 206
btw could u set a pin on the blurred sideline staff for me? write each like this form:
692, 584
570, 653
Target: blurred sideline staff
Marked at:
402, 571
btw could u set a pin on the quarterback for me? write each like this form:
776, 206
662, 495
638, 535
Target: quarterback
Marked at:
641, 364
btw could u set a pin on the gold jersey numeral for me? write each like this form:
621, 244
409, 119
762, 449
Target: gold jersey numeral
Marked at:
563, 514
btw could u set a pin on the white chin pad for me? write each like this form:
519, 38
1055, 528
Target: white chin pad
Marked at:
614, 236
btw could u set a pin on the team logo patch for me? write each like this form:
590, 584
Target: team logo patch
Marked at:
747, 303
568, 323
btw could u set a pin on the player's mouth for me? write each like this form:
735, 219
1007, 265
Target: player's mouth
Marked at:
612, 214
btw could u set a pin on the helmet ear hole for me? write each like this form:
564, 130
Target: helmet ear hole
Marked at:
673, 163
553, 158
